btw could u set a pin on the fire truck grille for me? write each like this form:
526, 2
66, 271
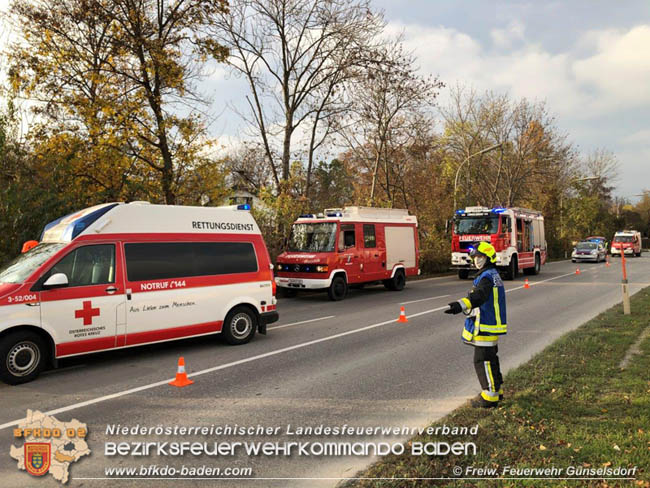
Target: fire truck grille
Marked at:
298, 268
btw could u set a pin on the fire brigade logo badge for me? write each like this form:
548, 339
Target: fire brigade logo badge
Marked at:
49, 445
37, 458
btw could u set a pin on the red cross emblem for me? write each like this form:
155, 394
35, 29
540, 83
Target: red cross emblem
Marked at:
87, 313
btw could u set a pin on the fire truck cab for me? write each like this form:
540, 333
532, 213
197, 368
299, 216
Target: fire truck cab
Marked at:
517, 235
350, 246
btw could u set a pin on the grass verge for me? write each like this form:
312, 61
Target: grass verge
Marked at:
570, 405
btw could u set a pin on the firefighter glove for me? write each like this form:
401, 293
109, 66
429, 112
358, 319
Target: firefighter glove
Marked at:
454, 307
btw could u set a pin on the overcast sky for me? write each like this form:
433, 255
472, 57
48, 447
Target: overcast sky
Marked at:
588, 59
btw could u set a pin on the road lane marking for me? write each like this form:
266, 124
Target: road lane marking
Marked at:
532, 283
243, 361
217, 368
301, 322
431, 279
423, 299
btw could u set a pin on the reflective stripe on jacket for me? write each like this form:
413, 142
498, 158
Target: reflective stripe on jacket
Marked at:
487, 320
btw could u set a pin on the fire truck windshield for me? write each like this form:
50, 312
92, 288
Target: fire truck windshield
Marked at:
477, 225
320, 237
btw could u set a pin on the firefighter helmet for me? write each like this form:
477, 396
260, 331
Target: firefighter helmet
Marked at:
486, 249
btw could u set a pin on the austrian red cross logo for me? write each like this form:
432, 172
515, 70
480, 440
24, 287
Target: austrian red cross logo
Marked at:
87, 313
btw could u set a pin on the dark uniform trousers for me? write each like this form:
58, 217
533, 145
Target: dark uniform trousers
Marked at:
488, 370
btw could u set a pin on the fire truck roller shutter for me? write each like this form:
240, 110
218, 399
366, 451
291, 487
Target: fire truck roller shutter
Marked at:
400, 246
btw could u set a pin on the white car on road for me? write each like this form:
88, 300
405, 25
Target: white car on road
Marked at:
589, 251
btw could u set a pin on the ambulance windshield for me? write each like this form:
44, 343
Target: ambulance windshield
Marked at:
24, 265
318, 237
477, 225
623, 239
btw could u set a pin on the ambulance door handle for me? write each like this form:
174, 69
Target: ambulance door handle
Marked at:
111, 289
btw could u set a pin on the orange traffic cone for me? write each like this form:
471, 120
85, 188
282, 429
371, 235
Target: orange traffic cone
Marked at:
526, 285
402, 316
181, 376
607, 260
577, 270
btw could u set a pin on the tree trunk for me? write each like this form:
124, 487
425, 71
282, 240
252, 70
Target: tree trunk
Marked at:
374, 178
286, 152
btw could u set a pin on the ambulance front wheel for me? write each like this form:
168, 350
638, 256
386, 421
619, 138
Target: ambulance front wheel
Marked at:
22, 357
239, 326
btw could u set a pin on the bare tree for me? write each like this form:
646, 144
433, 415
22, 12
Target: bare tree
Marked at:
533, 154
294, 54
388, 101
248, 169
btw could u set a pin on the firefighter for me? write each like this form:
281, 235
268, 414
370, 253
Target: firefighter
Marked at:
485, 307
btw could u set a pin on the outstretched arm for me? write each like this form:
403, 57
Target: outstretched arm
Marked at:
477, 296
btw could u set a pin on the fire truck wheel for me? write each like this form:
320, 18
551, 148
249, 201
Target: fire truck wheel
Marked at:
535, 269
513, 269
240, 325
338, 288
463, 274
22, 357
397, 282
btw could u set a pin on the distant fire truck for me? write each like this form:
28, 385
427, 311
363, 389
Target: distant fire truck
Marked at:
517, 234
349, 246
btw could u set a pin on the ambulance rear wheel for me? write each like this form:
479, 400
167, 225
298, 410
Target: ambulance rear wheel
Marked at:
239, 326
338, 289
463, 274
22, 357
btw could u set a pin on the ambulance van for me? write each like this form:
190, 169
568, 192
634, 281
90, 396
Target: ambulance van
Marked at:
122, 275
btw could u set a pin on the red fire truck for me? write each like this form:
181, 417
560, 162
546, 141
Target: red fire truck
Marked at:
349, 246
517, 234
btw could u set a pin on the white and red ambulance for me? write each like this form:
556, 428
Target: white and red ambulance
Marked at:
121, 275
517, 235
350, 246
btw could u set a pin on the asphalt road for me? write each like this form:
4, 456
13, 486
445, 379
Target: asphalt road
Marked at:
324, 363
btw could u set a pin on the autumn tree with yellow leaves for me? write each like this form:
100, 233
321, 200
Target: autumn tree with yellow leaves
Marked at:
113, 82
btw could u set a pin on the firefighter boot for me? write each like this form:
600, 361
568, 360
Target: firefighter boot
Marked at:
480, 402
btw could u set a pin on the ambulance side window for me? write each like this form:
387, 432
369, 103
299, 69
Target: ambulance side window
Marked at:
166, 260
88, 265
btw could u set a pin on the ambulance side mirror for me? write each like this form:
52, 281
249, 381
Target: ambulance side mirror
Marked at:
57, 280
